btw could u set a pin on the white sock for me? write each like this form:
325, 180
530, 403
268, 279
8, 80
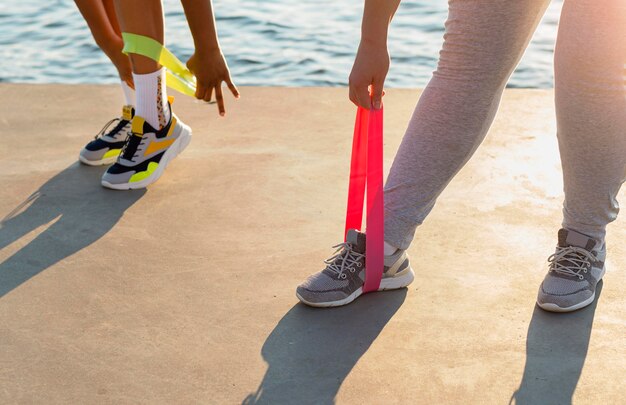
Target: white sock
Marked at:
389, 250
129, 94
152, 98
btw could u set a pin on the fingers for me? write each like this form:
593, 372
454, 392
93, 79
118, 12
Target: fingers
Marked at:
352, 96
220, 100
377, 95
232, 87
200, 90
129, 81
363, 97
360, 96
208, 94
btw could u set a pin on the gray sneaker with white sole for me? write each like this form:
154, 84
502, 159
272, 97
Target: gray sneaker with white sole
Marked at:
575, 269
341, 282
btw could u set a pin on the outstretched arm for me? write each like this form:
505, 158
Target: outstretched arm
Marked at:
207, 63
372, 60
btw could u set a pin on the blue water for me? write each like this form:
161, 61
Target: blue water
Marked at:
266, 42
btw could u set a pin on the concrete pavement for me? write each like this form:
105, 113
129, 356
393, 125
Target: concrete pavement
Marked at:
184, 293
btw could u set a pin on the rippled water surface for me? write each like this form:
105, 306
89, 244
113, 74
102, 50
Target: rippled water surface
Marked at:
266, 42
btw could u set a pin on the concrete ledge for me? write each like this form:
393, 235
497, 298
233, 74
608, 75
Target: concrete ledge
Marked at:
184, 293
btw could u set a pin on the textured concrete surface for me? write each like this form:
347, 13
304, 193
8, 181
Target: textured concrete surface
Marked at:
184, 293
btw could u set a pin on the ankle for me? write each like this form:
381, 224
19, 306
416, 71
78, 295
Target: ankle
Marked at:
390, 249
151, 95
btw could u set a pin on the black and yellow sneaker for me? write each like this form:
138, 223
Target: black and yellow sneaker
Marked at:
146, 154
107, 145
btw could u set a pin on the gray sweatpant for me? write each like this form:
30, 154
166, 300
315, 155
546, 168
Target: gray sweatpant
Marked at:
483, 42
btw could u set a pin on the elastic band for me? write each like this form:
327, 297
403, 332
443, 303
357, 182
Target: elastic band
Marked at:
178, 78
366, 172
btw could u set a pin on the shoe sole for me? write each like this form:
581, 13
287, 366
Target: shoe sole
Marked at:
107, 161
177, 147
548, 306
392, 283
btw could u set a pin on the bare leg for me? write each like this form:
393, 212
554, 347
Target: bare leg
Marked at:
143, 17
102, 22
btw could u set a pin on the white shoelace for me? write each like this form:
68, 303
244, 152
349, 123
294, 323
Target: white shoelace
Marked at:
579, 259
348, 260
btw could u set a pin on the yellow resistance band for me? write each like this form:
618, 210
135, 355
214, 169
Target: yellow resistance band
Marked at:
178, 77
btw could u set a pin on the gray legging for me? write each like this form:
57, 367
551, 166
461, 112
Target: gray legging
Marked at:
484, 41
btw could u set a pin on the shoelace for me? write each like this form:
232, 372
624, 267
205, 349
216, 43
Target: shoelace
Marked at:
104, 131
578, 260
130, 147
344, 258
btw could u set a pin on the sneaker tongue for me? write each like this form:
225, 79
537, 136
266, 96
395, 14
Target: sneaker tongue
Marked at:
357, 240
128, 111
137, 126
573, 238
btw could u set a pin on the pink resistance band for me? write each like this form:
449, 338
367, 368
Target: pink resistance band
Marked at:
366, 169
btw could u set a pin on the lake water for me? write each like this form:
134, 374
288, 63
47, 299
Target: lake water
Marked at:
270, 42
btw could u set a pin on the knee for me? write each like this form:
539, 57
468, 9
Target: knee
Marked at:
591, 76
589, 59
467, 68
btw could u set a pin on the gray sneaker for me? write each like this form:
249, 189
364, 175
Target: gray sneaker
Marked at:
575, 269
341, 282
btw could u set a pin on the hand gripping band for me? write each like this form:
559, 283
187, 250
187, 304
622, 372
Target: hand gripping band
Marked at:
178, 78
366, 171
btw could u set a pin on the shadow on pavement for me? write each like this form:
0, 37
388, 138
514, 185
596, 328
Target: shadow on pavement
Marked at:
77, 211
556, 348
311, 351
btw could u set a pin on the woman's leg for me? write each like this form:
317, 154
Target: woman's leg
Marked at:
145, 17
126, 74
484, 41
590, 81
102, 21
157, 135
590, 59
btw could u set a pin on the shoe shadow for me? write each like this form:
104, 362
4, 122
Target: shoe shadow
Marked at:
77, 210
556, 349
311, 350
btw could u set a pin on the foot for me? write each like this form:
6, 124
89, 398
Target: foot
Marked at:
575, 269
341, 282
106, 146
146, 154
